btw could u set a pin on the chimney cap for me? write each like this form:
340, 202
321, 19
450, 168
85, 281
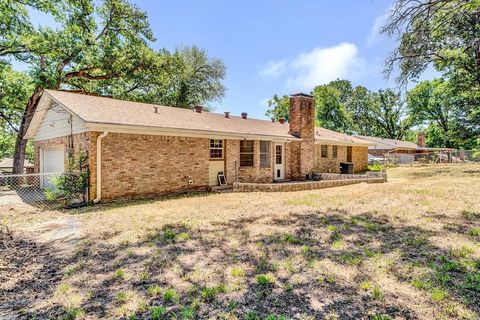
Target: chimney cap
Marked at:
198, 109
281, 120
227, 114
244, 115
301, 94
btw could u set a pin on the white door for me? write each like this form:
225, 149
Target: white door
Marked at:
52, 161
279, 161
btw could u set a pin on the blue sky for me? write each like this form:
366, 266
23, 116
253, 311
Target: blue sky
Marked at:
278, 46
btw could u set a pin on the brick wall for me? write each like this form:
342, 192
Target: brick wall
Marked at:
360, 158
250, 174
148, 165
302, 125
329, 164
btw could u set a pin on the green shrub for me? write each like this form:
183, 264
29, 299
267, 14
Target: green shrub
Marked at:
71, 186
377, 166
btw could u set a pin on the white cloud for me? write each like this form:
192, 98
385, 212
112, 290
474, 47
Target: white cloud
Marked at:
375, 35
322, 65
318, 66
274, 68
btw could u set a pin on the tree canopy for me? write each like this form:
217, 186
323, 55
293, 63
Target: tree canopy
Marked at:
444, 34
101, 47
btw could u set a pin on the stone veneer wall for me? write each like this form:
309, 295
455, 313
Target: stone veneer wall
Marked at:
303, 185
146, 165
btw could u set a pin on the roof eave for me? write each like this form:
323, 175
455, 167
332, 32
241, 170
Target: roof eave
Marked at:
343, 143
154, 130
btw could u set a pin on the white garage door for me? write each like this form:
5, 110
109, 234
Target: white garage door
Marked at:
52, 161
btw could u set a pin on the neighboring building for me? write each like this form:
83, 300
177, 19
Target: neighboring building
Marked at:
404, 151
6, 166
137, 149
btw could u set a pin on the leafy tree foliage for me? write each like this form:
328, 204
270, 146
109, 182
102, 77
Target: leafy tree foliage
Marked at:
354, 110
388, 114
15, 88
278, 107
330, 109
101, 47
445, 34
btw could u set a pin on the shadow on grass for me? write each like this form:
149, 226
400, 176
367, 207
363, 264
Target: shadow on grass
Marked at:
132, 203
231, 271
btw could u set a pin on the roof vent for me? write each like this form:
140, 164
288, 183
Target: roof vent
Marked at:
227, 114
281, 120
155, 109
198, 109
244, 115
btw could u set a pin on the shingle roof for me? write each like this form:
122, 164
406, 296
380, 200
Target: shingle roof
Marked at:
387, 144
96, 109
333, 136
102, 110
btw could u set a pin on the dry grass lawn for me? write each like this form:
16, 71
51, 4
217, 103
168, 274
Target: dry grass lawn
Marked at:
406, 249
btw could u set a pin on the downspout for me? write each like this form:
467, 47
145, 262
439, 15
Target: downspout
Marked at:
99, 166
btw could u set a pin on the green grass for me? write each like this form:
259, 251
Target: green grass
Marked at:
170, 296
122, 297
264, 280
119, 274
144, 276
154, 291
157, 312
237, 272
474, 232
438, 294
365, 285
377, 293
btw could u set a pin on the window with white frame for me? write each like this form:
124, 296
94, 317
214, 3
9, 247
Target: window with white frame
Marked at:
246, 153
216, 149
265, 154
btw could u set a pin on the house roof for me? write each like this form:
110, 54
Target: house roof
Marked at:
388, 144
8, 163
327, 135
99, 112
393, 144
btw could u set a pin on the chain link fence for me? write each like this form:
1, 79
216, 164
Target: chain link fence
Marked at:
427, 157
37, 190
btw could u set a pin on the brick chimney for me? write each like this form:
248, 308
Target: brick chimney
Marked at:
227, 114
421, 139
302, 125
281, 120
198, 109
244, 115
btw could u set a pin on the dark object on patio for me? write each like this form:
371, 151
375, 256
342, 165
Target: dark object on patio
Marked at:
346, 167
316, 177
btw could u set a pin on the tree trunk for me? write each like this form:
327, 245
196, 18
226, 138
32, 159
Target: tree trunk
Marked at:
21, 143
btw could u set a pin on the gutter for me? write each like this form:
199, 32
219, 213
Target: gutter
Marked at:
99, 166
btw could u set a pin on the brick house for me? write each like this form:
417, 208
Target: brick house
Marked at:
137, 149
